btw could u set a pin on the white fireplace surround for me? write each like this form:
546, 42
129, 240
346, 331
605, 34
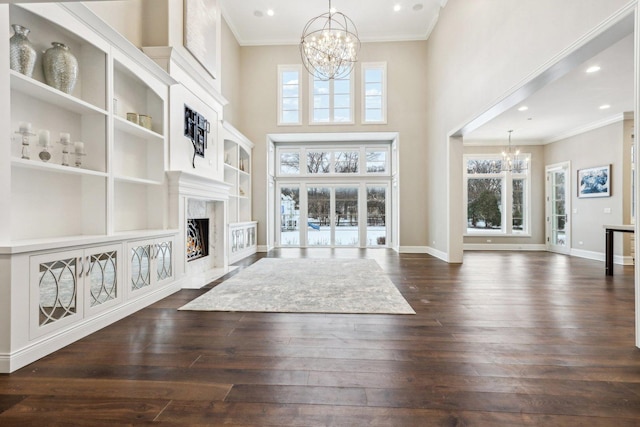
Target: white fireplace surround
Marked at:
192, 196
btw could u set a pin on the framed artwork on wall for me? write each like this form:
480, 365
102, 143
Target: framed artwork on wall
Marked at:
201, 27
594, 182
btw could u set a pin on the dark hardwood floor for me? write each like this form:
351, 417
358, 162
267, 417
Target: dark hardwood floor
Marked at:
505, 339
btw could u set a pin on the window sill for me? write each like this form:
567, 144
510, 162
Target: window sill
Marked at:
496, 234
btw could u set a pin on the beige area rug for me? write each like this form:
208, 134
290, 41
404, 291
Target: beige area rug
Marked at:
306, 286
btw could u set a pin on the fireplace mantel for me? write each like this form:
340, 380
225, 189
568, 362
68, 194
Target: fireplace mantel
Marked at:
191, 185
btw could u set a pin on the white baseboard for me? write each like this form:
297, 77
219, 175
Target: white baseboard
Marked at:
503, 247
264, 248
34, 351
600, 256
414, 250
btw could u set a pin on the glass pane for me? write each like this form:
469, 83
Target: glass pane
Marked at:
376, 217
373, 89
373, 75
484, 204
346, 162
290, 91
318, 216
518, 205
342, 115
342, 101
373, 102
163, 260
318, 162
321, 115
341, 86
321, 87
484, 166
373, 115
289, 216
346, 218
290, 77
289, 163
290, 117
376, 161
290, 103
321, 101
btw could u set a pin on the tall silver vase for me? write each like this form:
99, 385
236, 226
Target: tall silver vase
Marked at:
21, 51
60, 67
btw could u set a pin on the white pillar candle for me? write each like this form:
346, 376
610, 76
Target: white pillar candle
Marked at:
25, 127
79, 147
43, 138
65, 137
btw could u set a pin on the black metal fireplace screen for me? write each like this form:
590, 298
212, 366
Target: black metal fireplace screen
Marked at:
197, 238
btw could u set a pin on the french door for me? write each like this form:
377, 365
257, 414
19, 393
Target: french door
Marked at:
318, 214
558, 208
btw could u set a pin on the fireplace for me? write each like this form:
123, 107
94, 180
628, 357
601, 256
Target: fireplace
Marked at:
197, 238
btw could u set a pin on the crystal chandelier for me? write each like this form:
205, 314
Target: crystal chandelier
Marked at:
329, 45
511, 161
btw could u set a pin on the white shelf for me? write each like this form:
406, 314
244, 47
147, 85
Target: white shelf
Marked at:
136, 130
133, 180
43, 92
52, 167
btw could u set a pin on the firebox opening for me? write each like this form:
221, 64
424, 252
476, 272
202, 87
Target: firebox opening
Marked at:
197, 238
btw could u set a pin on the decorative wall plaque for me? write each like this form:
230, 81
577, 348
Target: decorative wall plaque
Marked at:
196, 128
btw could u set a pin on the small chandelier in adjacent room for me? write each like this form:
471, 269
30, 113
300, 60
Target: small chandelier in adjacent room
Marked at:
329, 45
511, 161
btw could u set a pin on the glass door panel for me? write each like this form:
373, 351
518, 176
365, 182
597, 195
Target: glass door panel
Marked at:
558, 208
376, 216
346, 216
318, 216
290, 216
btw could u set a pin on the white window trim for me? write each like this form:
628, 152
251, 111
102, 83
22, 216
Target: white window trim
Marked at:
364, 67
281, 70
331, 122
507, 191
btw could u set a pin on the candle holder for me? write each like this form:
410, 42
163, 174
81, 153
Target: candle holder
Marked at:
43, 141
25, 131
65, 141
79, 152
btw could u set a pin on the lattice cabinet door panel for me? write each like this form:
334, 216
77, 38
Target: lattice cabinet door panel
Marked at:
103, 278
140, 256
163, 257
56, 291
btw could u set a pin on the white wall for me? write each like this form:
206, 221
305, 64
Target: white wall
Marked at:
598, 147
477, 53
406, 83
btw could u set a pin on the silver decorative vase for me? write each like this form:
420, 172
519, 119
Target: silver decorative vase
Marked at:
22, 53
60, 67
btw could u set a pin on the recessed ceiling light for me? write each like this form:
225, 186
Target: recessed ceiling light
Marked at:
418, 6
270, 12
605, 107
593, 69
333, 10
397, 8
258, 14
523, 108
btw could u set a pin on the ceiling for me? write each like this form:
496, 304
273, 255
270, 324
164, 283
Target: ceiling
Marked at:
570, 104
375, 20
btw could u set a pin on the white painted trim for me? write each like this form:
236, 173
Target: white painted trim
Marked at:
600, 256
438, 254
265, 248
586, 128
414, 249
32, 352
237, 135
282, 68
504, 247
333, 137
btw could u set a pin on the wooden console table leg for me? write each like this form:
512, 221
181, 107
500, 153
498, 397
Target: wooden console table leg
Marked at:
609, 252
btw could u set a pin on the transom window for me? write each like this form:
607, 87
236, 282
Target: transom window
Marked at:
497, 202
325, 160
331, 100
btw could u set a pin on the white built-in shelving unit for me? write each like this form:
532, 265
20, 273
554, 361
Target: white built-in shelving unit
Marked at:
97, 235
237, 173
